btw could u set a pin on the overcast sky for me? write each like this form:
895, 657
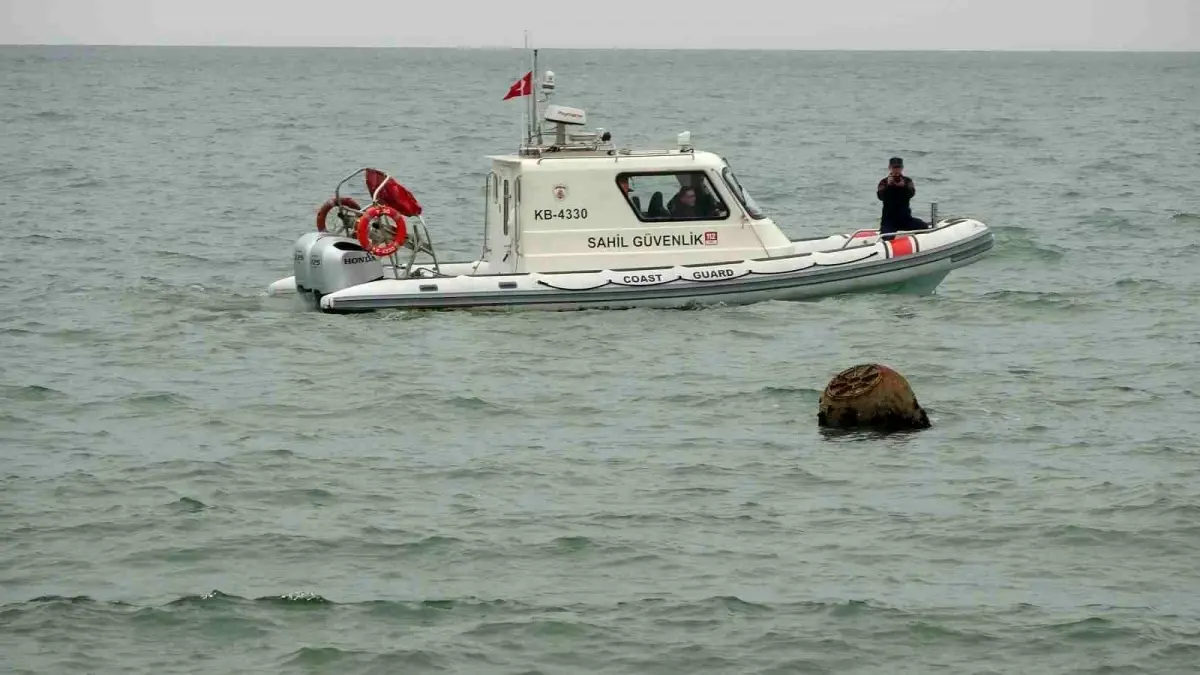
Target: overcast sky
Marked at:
798, 24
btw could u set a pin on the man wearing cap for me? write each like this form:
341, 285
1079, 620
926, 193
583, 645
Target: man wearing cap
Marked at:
895, 192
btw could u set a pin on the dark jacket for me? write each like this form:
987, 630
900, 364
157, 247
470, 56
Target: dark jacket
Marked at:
681, 210
896, 211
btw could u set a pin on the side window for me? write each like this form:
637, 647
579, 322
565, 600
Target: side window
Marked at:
505, 206
752, 207
517, 202
672, 196
495, 184
488, 186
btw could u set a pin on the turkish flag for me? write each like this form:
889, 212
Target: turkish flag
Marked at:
522, 87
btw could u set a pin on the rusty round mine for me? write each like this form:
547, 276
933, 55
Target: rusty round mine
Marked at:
854, 382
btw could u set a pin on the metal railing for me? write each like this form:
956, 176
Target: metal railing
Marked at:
418, 241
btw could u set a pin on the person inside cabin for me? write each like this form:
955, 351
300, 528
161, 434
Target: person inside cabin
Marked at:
896, 191
706, 203
684, 203
623, 183
696, 201
702, 203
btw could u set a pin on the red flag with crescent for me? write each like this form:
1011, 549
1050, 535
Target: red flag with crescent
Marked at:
522, 87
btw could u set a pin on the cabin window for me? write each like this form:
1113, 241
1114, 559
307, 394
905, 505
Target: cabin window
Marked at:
516, 216
667, 196
494, 183
741, 195
487, 207
506, 206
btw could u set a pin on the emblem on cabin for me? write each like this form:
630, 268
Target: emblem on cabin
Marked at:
710, 238
560, 192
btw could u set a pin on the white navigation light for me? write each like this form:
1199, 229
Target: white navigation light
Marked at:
548, 80
684, 139
565, 115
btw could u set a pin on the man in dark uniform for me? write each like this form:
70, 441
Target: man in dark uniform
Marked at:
895, 192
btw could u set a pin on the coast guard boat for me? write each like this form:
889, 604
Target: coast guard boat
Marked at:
573, 222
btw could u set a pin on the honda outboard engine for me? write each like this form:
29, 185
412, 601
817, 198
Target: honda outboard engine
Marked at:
336, 262
300, 266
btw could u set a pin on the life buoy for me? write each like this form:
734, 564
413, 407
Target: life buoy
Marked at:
364, 226
328, 206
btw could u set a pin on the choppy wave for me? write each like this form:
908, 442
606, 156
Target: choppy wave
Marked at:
471, 633
1015, 242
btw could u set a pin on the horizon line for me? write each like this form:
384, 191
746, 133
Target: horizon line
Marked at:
1002, 50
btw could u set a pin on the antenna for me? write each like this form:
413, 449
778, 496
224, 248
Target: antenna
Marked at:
526, 120
534, 87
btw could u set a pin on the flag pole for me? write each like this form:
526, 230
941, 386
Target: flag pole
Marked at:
535, 126
525, 109
533, 122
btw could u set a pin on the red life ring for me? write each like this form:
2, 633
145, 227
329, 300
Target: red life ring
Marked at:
364, 223
328, 206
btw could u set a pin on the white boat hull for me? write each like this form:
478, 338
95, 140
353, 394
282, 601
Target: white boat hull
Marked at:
916, 262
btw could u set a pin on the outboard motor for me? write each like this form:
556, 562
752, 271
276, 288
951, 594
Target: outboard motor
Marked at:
300, 266
336, 262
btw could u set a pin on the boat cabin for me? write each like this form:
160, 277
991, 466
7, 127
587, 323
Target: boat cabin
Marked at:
575, 202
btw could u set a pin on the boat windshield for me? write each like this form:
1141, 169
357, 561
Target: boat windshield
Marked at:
744, 197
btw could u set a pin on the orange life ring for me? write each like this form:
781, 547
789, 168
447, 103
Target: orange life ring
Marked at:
364, 222
328, 206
